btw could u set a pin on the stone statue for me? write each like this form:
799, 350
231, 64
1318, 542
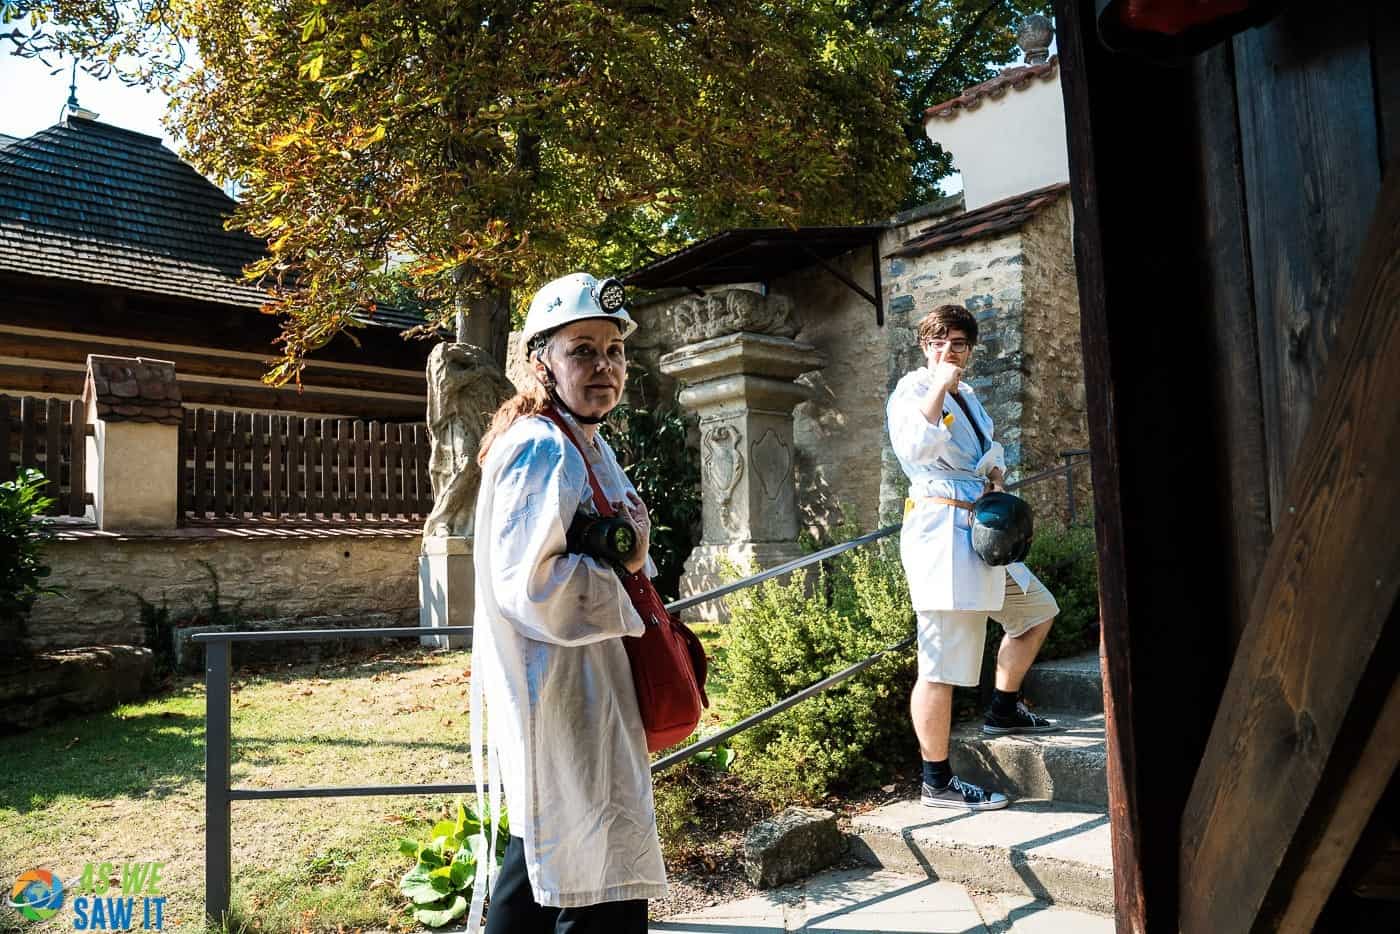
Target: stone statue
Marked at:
465, 387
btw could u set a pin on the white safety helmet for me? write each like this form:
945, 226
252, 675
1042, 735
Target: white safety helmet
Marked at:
576, 297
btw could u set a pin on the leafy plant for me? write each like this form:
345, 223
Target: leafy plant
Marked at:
440, 883
23, 534
651, 447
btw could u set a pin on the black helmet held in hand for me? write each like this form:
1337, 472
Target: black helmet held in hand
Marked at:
1002, 528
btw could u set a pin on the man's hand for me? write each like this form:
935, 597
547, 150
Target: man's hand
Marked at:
945, 377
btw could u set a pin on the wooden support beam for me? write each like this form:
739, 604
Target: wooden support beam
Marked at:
1265, 832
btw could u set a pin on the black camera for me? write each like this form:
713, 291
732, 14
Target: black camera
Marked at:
606, 538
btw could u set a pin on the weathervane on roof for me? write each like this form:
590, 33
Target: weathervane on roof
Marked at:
72, 106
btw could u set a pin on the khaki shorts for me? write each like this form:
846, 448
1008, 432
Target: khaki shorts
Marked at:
951, 641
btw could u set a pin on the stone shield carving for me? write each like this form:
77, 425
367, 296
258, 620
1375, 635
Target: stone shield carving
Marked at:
772, 464
724, 469
465, 387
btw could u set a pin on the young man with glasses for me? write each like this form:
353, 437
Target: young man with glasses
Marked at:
943, 438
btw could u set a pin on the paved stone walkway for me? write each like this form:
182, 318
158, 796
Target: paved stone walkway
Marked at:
877, 901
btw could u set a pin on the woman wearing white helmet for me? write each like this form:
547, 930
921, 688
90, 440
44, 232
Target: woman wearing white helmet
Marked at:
567, 743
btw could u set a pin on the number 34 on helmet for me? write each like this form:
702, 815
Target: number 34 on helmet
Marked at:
577, 297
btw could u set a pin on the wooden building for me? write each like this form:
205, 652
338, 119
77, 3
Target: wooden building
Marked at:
110, 244
1237, 235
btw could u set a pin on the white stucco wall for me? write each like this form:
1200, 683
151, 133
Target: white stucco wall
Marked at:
1007, 145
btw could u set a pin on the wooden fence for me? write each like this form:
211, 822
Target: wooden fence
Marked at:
47, 435
255, 464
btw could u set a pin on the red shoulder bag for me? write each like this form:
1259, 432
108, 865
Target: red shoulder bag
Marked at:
668, 662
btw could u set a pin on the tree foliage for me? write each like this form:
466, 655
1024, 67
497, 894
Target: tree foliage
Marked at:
467, 149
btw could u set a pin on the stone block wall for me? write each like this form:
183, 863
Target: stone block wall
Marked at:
271, 577
1055, 417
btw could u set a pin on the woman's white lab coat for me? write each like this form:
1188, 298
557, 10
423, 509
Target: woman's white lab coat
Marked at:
564, 731
948, 461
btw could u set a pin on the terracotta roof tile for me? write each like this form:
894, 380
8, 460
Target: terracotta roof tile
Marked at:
1018, 78
986, 221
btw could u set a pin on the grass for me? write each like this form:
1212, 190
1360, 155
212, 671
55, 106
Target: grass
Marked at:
128, 785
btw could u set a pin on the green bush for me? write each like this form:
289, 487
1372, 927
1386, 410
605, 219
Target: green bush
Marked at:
23, 535
650, 446
787, 636
1065, 560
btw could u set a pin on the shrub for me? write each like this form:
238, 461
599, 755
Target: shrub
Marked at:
651, 447
23, 535
787, 636
1065, 560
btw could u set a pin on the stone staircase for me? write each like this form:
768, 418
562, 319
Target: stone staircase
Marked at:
1052, 844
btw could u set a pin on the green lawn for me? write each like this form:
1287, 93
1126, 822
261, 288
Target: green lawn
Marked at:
128, 786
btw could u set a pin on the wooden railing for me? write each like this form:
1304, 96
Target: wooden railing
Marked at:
256, 464
48, 435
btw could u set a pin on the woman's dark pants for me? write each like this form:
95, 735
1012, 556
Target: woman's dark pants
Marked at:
513, 909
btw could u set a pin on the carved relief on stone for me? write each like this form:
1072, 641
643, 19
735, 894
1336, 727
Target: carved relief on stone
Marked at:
728, 312
724, 468
465, 387
772, 464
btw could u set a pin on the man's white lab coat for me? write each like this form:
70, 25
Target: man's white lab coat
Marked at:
948, 461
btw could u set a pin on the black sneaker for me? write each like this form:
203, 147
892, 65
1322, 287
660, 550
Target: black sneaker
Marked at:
1023, 721
963, 796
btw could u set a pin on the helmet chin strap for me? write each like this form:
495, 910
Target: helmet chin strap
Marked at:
550, 383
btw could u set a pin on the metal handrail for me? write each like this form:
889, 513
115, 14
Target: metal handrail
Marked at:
219, 794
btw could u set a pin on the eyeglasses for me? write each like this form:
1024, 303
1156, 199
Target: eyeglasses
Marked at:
957, 345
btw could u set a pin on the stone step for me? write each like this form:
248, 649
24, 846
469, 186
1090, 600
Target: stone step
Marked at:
877, 901
1070, 766
1074, 683
1043, 850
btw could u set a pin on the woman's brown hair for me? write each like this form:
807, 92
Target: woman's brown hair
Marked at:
531, 401
937, 323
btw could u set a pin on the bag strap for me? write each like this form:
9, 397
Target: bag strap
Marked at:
600, 500
981, 438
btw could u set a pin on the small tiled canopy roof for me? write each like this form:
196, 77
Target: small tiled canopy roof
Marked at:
1018, 78
133, 389
987, 221
89, 202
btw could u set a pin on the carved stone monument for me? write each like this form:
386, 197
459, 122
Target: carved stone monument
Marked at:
742, 386
465, 387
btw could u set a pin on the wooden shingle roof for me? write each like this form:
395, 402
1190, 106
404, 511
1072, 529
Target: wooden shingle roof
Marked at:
89, 202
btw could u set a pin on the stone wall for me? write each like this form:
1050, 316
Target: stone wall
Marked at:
311, 574
837, 433
1027, 370
1055, 417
